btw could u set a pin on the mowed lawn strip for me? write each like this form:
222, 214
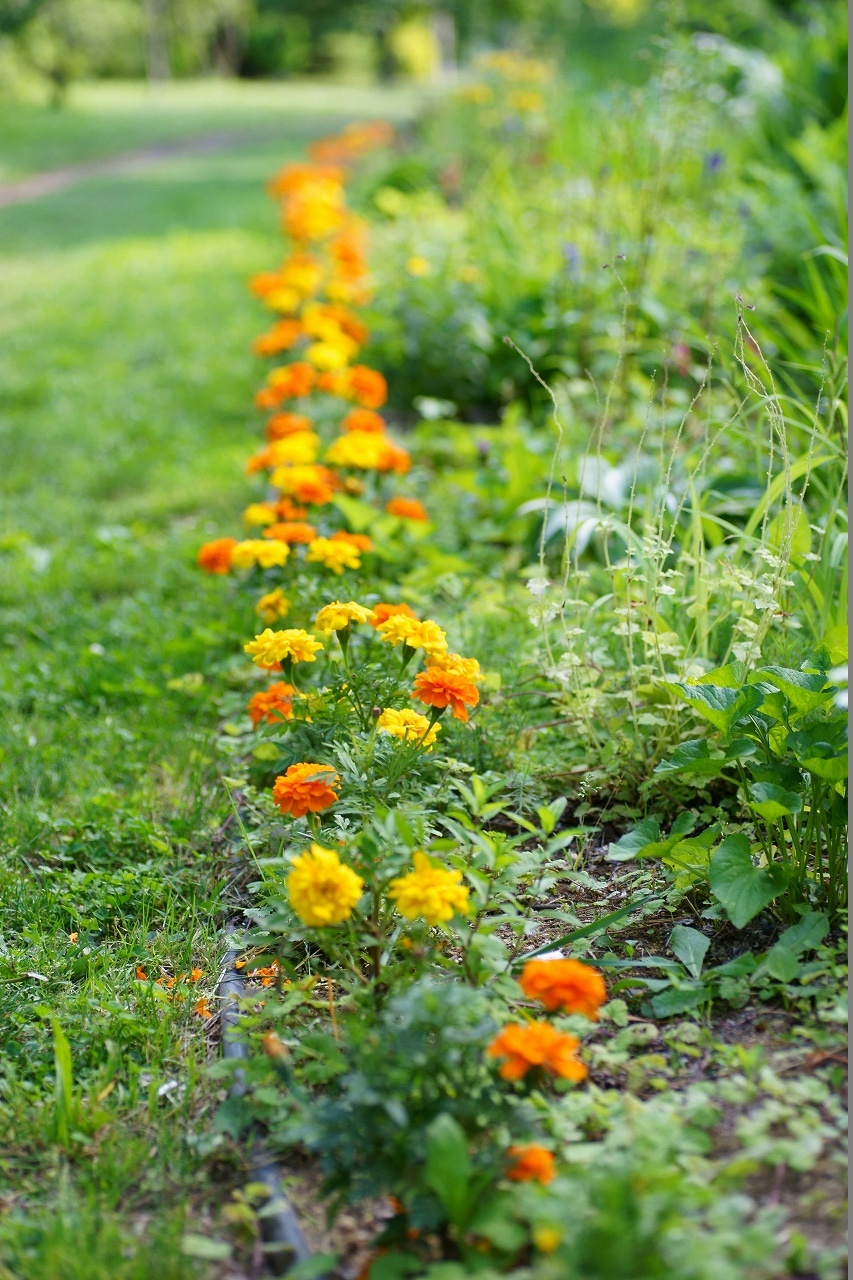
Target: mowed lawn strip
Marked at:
125, 418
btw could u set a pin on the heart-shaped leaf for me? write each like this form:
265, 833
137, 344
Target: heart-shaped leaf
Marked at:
773, 802
804, 690
690, 946
720, 705
741, 887
693, 757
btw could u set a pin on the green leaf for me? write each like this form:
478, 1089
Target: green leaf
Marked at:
193, 1246
719, 704
773, 802
804, 690
319, 1264
594, 926
741, 887
448, 1167
693, 757
690, 946
822, 748
781, 960
679, 1000
730, 676
644, 839
359, 515
791, 528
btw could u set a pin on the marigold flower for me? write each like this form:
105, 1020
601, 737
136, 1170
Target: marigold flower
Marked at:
202, 1009
258, 462
264, 283
364, 450
367, 386
536, 1044
382, 612
418, 266
430, 891
291, 531
215, 557
364, 420
285, 509
547, 1239
141, 975
306, 788
334, 555
281, 425
271, 647
468, 668
337, 615
564, 984
272, 704
255, 551
322, 889
332, 355
358, 540
281, 337
299, 449
283, 299
531, 1163
333, 381
272, 606
401, 628
259, 513
443, 689
309, 484
269, 974
407, 508
291, 380
408, 725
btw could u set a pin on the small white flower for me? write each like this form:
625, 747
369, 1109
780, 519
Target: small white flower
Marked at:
537, 586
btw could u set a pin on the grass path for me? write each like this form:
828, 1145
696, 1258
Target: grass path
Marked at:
125, 415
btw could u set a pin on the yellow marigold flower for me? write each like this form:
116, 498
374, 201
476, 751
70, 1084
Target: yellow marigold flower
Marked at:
255, 551
430, 891
335, 555
425, 635
336, 616
259, 513
272, 606
332, 354
366, 450
271, 647
409, 725
547, 1239
299, 449
468, 668
418, 266
525, 100
284, 299
322, 889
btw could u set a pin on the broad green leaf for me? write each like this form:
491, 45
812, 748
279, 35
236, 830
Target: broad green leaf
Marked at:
773, 802
742, 888
644, 839
835, 644
822, 748
690, 946
193, 1246
694, 757
359, 515
781, 960
731, 676
720, 705
804, 690
448, 1167
679, 1000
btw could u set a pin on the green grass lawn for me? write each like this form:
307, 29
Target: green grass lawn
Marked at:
125, 417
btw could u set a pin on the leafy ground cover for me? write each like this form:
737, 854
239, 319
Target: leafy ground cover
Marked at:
638, 764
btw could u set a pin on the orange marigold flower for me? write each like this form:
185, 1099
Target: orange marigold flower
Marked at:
291, 531
364, 420
536, 1044
531, 1164
141, 974
281, 337
215, 557
564, 984
306, 788
408, 508
292, 177
367, 386
287, 424
267, 399
333, 381
268, 974
258, 462
202, 1008
264, 283
291, 380
359, 540
382, 612
287, 510
272, 704
441, 689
